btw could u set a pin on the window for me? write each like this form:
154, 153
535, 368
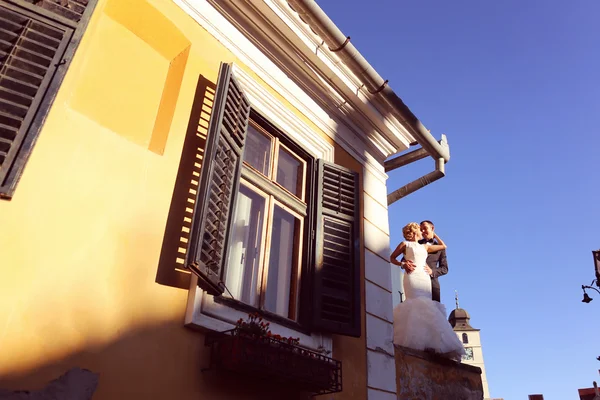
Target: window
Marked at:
35, 48
267, 243
273, 228
465, 338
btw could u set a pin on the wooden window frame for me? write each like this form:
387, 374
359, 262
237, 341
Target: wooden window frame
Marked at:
329, 295
276, 194
302, 181
34, 127
206, 311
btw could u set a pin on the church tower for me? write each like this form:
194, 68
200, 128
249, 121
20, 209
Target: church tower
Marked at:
471, 340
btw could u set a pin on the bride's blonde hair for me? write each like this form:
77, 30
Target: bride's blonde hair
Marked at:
410, 231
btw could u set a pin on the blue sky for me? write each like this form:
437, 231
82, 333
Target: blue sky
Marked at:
515, 86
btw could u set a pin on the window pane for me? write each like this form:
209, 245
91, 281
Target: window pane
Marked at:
257, 150
290, 172
244, 252
282, 283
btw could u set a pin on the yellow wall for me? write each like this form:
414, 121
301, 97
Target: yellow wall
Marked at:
81, 239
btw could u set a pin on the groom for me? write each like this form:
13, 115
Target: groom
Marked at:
437, 265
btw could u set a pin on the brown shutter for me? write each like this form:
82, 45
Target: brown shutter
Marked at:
219, 181
31, 47
69, 9
337, 259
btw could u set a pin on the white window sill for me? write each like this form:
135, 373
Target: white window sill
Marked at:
204, 313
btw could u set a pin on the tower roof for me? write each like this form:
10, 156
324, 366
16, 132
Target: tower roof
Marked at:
459, 318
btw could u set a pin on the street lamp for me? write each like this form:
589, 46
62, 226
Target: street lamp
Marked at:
586, 297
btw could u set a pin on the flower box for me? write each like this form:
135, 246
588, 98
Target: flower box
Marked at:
274, 359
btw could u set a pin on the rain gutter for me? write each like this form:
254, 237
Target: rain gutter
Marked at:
338, 43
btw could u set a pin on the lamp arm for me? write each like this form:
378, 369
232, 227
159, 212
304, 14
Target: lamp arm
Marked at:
590, 287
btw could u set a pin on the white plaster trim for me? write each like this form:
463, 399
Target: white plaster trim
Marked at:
228, 35
313, 41
268, 106
204, 313
381, 371
377, 394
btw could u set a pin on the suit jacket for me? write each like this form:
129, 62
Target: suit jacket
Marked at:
438, 264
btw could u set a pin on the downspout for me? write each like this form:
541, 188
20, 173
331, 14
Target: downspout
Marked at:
310, 12
415, 185
407, 158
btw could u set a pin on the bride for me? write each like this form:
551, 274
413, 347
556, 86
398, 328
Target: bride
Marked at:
419, 322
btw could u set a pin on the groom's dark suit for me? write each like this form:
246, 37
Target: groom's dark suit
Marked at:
439, 267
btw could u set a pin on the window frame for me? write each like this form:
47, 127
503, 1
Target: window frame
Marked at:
263, 240
298, 269
205, 311
304, 181
34, 127
276, 194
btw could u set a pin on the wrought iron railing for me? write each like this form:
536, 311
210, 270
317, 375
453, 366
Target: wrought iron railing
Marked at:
276, 360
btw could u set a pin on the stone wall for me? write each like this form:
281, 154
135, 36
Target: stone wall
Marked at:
426, 376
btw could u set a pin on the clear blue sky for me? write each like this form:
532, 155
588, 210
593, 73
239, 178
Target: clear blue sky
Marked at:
516, 87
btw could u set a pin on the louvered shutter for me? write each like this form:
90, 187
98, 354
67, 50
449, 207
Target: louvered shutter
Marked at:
337, 259
70, 9
219, 182
31, 47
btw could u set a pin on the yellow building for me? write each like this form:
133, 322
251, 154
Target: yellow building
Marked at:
243, 141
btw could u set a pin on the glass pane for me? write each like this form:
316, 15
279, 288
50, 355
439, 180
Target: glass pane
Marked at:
281, 291
245, 244
257, 150
289, 172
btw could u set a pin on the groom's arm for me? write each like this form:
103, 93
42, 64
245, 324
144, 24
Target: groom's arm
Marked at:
442, 268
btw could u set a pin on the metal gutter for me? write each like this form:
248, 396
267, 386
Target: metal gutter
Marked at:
315, 17
407, 158
420, 183
310, 12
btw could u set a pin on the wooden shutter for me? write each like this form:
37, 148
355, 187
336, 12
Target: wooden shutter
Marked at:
337, 259
31, 48
69, 9
219, 182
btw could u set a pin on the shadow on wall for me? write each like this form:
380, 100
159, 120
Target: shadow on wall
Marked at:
153, 360
162, 361
171, 270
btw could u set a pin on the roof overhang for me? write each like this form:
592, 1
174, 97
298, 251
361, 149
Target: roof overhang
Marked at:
276, 29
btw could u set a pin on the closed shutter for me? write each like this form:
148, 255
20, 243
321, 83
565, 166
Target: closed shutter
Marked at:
337, 258
31, 47
70, 9
219, 182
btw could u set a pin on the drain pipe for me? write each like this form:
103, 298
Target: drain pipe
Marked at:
415, 185
408, 158
411, 157
315, 17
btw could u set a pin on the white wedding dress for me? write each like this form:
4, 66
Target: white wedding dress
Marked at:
419, 322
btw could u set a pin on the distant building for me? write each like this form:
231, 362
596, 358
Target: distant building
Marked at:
584, 394
589, 393
470, 337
